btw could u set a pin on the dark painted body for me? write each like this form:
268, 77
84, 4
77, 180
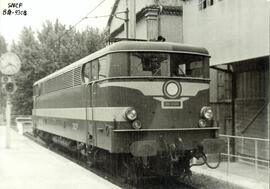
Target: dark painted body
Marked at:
150, 113
94, 112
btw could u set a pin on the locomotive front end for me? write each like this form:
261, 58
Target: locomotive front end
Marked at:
164, 118
144, 105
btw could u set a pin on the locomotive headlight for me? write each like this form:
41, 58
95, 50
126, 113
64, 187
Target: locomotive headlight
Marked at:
207, 113
131, 114
202, 123
137, 124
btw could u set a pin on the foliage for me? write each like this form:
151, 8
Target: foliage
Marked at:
3, 45
54, 47
3, 49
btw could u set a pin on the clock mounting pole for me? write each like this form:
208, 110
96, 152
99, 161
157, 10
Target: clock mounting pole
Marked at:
10, 65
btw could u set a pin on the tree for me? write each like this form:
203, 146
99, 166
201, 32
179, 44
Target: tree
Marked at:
56, 46
3, 45
28, 49
3, 49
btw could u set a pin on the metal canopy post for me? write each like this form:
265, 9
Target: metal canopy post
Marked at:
233, 112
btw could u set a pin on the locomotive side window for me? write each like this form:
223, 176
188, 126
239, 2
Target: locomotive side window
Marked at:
87, 72
119, 64
103, 68
95, 65
97, 69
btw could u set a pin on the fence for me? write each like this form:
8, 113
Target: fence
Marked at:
254, 159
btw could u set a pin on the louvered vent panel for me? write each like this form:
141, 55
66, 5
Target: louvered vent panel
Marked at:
77, 76
65, 80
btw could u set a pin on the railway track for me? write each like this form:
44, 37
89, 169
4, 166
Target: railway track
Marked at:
161, 183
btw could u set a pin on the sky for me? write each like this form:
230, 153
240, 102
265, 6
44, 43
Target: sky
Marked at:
69, 12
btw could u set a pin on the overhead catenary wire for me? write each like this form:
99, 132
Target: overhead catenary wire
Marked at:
102, 16
83, 18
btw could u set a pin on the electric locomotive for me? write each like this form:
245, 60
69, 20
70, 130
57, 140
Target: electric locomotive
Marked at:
144, 105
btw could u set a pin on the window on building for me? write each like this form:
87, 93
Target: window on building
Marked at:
203, 4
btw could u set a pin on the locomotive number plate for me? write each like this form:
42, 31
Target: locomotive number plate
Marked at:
172, 104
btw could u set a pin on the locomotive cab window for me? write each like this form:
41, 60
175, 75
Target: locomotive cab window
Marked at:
149, 64
186, 65
159, 64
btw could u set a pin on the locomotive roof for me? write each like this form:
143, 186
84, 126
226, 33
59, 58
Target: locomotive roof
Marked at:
130, 46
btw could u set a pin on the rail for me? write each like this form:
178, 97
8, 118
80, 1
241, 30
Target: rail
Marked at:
256, 161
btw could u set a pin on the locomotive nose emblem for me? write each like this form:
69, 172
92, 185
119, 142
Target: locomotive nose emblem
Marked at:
172, 89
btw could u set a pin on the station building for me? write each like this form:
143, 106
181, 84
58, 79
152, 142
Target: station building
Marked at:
236, 34
153, 18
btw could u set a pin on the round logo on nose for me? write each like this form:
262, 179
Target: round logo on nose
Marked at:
172, 89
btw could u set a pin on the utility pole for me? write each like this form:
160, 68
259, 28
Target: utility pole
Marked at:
132, 19
126, 23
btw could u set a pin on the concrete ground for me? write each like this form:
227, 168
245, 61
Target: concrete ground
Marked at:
237, 174
26, 165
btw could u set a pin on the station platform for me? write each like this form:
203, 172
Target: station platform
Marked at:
236, 175
27, 165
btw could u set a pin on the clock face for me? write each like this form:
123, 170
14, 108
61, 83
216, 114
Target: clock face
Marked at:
10, 63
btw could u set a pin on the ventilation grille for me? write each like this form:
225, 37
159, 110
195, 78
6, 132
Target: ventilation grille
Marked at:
66, 80
77, 76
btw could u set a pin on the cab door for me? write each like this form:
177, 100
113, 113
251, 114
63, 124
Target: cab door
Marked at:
87, 99
90, 71
89, 115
